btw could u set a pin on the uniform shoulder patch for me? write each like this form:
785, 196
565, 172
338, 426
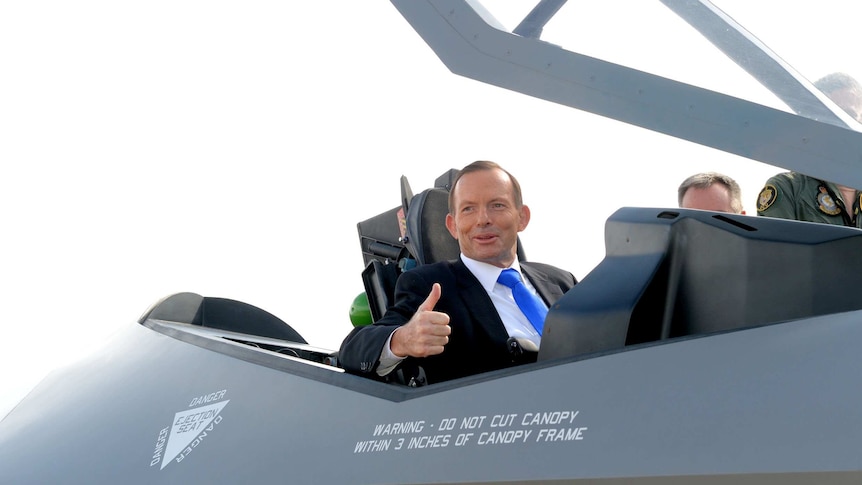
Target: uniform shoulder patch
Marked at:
767, 197
826, 203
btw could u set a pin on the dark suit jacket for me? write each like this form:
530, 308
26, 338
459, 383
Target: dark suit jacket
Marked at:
478, 342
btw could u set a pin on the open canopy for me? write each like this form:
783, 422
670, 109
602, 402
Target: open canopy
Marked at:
690, 69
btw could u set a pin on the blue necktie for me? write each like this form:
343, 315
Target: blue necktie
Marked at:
527, 302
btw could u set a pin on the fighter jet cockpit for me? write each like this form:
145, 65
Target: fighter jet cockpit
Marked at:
657, 280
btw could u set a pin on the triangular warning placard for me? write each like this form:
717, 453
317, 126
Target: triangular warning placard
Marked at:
187, 426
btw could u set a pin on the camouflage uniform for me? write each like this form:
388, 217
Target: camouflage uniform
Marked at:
792, 195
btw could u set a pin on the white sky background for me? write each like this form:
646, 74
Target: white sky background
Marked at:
230, 148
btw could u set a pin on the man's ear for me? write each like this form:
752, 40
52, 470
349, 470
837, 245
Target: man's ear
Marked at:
450, 225
525, 218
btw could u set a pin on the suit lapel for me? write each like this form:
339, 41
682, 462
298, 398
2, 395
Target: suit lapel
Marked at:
470, 292
548, 291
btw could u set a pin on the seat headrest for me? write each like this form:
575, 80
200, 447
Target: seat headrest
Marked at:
427, 238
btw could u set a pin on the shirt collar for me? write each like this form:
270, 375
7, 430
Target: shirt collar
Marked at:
487, 274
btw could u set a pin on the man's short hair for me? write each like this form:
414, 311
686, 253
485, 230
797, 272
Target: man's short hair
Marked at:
478, 166
705, 180
837, 81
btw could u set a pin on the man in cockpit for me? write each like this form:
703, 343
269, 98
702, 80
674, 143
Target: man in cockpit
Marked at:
458, 318
792, 195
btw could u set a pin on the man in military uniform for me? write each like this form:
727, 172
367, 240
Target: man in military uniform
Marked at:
792, 195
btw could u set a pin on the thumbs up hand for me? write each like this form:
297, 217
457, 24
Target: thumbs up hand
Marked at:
427, 332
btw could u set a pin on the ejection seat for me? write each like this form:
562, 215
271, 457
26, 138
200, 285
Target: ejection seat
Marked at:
404, 237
